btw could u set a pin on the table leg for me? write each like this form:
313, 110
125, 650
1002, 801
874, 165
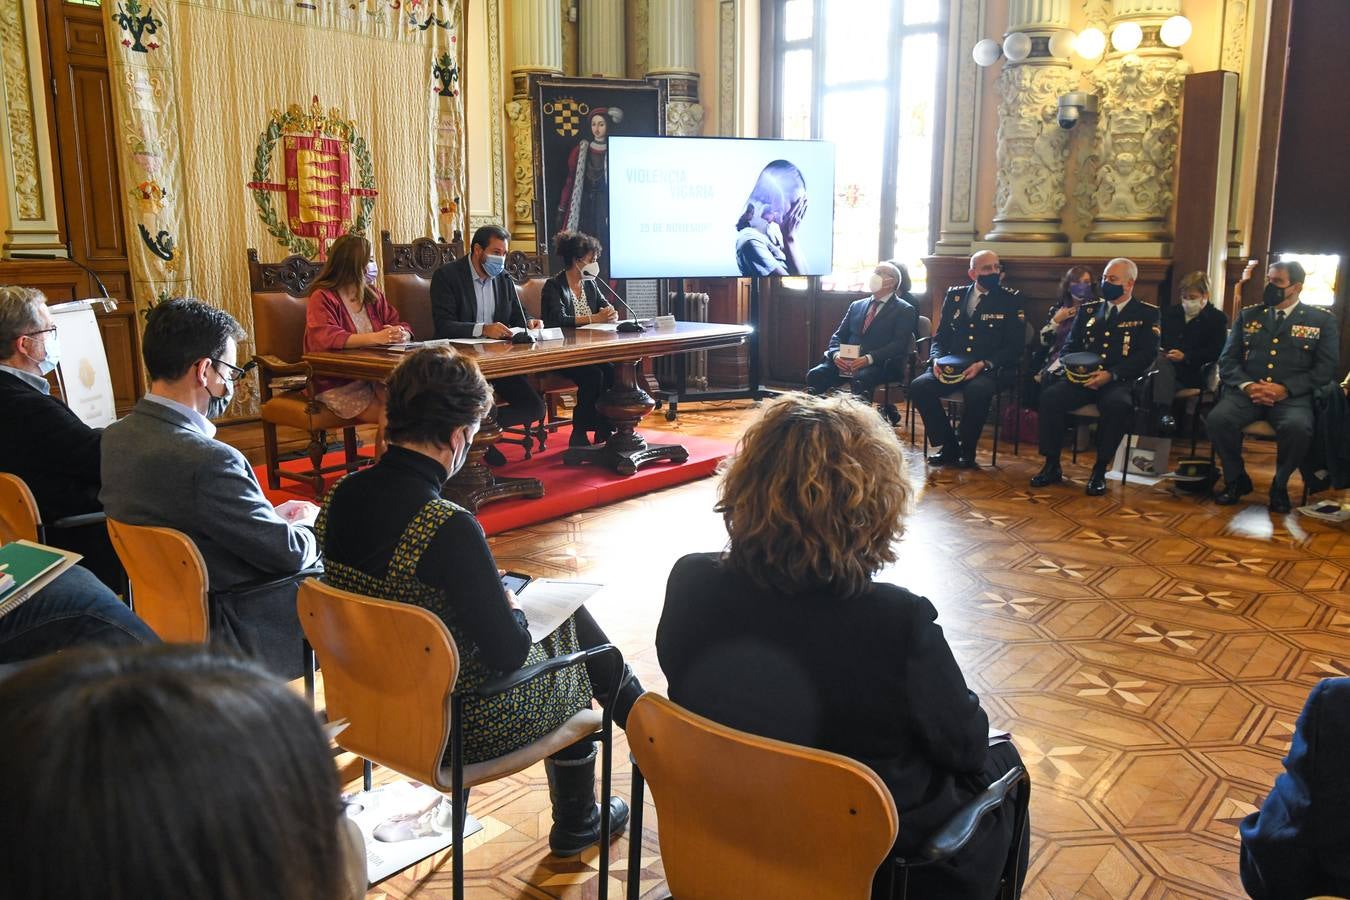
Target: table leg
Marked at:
625, 404
474, 484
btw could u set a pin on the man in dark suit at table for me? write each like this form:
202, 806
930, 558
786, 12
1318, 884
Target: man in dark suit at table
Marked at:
983, 325
1298, 845
473, 297
44, 443
880, 328
162, 466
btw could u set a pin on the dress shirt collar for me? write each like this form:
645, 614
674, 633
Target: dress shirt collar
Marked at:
1289, 311
37, 382
199, 422
880, 301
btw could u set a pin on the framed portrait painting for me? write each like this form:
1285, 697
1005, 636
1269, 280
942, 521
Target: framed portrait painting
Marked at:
576, 118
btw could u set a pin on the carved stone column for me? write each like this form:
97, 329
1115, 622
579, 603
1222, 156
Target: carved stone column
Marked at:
27, 176
1032, 149
960, 162
601, 50
536, 47
1139, 97
672, 57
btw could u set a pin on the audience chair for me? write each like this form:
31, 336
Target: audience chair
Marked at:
389, 672
1266, 432
1205, 395
19, 517
169, 586
286, 388
552, 386
1142, 391
833, 826
1010, 382
918, 351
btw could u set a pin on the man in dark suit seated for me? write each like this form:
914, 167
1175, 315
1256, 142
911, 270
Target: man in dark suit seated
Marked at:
44, 443
982, 324
880, 328
474, 297
163, 466
1123, 331
1298, 844
1277, 354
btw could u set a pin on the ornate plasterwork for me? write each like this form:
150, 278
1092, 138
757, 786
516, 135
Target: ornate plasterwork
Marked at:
520, 113
957, 226
726, 67
641, 40
1234, 36
18, 99
1097, 12
1032, 148
684, 119
496, 105
1086, 163
1136, 143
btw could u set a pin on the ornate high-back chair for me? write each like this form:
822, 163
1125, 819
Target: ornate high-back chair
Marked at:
407, 270
279, 292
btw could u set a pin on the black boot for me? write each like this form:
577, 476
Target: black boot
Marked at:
629, 690
576, 815
1049, 474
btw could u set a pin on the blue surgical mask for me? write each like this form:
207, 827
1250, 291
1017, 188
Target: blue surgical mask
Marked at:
989, 281
494, 265
52, 359
1080, 290
1112, 292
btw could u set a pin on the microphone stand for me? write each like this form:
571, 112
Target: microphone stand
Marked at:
632, 326
109, 304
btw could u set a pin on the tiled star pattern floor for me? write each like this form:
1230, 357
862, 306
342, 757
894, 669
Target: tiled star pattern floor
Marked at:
1149, 653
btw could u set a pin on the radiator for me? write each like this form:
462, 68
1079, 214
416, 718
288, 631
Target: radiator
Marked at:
695, 365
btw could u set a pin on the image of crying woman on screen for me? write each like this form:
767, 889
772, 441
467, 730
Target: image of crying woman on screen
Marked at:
766, 231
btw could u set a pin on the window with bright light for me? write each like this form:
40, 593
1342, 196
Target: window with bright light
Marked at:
863, 74
1319, 286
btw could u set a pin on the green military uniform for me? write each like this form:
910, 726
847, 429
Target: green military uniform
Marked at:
1127, 340
1298, 350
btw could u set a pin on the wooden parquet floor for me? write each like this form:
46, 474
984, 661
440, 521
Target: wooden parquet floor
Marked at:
1149, 653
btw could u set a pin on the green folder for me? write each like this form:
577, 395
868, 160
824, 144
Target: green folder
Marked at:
31, 566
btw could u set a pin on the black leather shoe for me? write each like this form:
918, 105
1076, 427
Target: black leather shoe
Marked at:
1050, 473
1279, 500
950, 455
494, 457
1167, 424
1233, 490
1316, 485
967, 462
1096, 485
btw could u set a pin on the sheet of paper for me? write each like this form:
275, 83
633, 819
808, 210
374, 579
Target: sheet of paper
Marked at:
548, 603
600, 326
298, 512
997, 734
473, 341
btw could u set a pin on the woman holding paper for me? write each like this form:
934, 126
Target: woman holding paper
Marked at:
387, 532
572, 298
345, 310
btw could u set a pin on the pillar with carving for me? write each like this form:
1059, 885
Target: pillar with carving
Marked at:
27, 173
536, 48
1139, 97
1032, 149
672, 57
601, 51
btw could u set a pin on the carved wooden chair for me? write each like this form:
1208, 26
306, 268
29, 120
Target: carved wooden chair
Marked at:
527, 271
286, 383
407, 270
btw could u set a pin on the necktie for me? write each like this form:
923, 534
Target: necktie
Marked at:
1110, 313
871, 314
1279, 317
973, 304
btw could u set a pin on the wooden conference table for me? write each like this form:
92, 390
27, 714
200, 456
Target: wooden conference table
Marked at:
624, 404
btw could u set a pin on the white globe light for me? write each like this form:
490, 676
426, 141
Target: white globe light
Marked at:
1091, 43
1017, 46
1127, 36
1062, 43
986, 52
1176, 31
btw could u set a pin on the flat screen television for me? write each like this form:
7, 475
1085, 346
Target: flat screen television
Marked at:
709, 207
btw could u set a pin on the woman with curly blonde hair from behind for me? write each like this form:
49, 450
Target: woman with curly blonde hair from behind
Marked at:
787, 635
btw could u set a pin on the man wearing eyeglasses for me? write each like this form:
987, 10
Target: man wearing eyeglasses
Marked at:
163, 466
42, 441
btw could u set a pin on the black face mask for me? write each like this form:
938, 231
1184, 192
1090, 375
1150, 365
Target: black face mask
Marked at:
989, 281
1112, 292
1273, 295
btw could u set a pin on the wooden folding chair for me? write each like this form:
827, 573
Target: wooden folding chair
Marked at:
390, 670
19, 516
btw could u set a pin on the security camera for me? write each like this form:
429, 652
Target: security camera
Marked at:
1073, 106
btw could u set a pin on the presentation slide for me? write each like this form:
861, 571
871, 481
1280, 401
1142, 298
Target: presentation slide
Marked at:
707, 207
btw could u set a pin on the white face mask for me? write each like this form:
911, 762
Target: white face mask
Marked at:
590, 270
372, 272
875, 283
1192, 307
52, 358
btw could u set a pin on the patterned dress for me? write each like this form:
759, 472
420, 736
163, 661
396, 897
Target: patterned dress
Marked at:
492, 726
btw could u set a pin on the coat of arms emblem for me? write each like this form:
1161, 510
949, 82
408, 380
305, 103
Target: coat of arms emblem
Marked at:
324, 173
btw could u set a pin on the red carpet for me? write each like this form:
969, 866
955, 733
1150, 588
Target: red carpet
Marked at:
567, 489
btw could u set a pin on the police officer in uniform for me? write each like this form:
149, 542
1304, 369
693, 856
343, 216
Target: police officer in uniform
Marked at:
1276, 355
983, 331
1123, 331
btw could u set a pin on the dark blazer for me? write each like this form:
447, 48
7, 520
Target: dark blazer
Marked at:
454, 305
1128, 344
47, 445
1298, 844
887, 340
1300, 353
1201, 339
555, 301
159, 470
997, 333
871, 677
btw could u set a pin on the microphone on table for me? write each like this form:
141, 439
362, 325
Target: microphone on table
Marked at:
109, 303
632, 326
